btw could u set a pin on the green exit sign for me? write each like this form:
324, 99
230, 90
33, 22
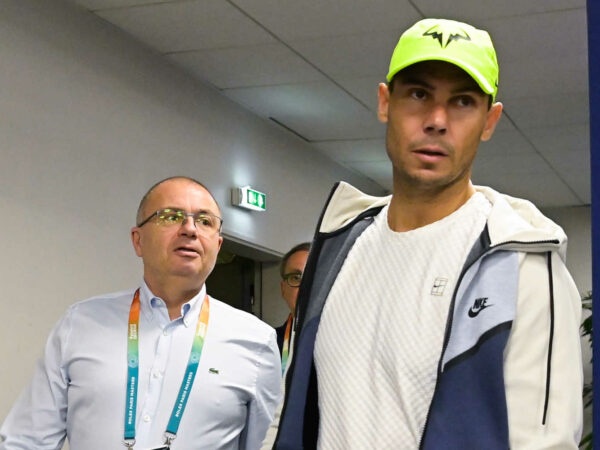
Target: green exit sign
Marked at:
256, 199
246, 197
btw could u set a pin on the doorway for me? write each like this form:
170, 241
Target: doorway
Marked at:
237, 277
233, 280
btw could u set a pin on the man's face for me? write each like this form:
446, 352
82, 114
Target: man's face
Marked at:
436, 117
295, 265
177, 253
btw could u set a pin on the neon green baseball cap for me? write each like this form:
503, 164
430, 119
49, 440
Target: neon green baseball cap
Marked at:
457, 43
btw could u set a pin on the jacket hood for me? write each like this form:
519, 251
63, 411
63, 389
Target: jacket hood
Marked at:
345, 203
512, 221
515, 220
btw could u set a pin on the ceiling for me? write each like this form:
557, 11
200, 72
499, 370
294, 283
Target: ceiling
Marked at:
312, 66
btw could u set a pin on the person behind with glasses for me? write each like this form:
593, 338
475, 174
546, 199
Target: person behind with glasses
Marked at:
291, 268
161, 366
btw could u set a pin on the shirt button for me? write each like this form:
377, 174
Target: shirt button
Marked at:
156, 374
146, 418
165, 332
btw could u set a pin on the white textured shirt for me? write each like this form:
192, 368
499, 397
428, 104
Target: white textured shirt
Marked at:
382, 329
78, 388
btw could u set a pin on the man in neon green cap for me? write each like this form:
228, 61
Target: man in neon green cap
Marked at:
442, 316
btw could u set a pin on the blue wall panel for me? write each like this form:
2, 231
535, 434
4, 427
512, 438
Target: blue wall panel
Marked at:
593, 15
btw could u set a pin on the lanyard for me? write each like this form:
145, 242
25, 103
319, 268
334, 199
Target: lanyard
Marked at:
285, 351
133, 357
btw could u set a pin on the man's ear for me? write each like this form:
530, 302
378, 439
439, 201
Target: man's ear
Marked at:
136, 241
493, 117
383, 101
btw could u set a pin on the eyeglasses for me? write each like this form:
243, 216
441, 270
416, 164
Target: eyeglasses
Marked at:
207, 224
293, 279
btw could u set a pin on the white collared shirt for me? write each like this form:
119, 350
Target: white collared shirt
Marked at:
78, 388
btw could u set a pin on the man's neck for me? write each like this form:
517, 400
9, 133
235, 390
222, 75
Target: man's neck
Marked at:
174, 295
409, 212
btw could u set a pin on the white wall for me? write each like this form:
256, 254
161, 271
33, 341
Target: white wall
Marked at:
88, 121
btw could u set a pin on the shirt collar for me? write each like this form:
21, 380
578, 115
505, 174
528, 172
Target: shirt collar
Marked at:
190, 310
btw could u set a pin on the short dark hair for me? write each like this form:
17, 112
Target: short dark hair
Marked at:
142, 205
303, 247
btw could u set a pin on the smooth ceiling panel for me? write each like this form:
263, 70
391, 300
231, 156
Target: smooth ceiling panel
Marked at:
521, 158
472, 11
526, 175
547, 193
572, 159
566, 148
542, 76
189, 25
95, 5
581, 184
518, 163
350, 55
355, 151
552, 110
551, 35
561, 137
504, 124
315, 111
508, 141
364, 89
245, 66
291, 20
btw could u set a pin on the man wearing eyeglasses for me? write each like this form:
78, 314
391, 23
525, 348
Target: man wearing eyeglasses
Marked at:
164, 366
291, 268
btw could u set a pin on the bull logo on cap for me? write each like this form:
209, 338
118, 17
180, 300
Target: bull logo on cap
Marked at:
444, 36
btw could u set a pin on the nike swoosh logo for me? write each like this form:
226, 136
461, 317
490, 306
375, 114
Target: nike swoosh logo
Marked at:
475, 310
